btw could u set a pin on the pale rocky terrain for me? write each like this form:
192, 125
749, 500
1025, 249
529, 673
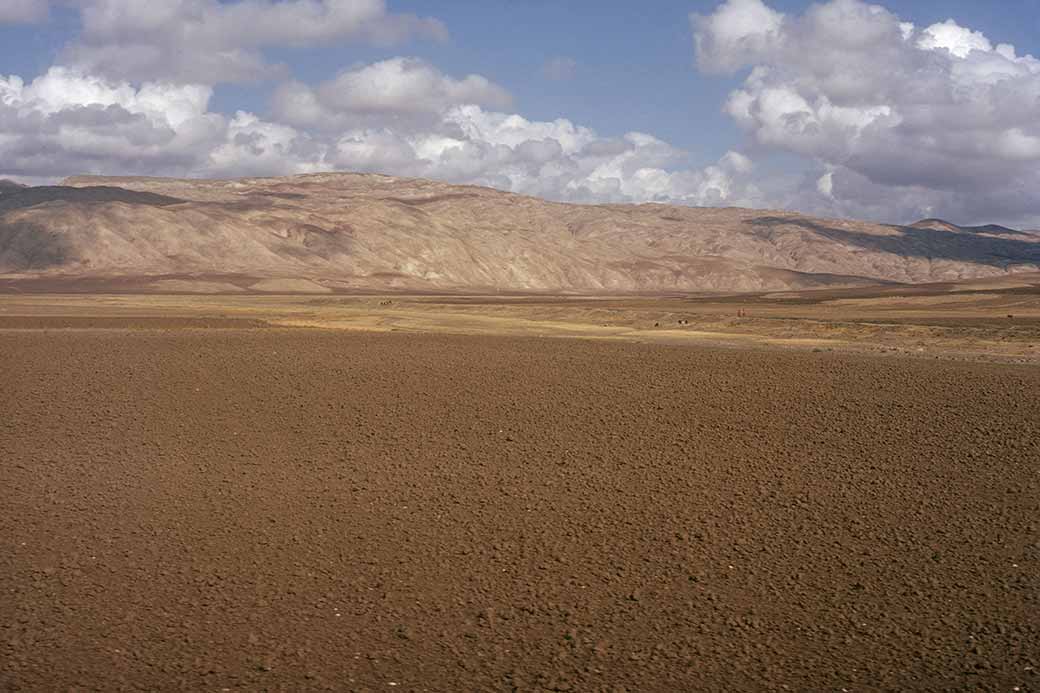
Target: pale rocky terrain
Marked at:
350, 232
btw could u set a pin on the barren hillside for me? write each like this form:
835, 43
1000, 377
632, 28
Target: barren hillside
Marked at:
327, 232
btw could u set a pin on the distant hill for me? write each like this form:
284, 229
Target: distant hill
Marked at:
8, 187
361, 232
992, 229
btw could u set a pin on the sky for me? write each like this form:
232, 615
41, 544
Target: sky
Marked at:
893, 112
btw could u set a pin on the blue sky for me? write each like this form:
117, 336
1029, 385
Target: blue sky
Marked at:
634, 70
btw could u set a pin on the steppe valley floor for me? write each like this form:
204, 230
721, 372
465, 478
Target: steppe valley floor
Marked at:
220, 506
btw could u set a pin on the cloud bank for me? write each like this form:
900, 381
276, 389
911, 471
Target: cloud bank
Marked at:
209, 42
897, 118
400, 116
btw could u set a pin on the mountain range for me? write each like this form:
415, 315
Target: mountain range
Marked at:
373, 233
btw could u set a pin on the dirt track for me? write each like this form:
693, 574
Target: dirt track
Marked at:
211, 509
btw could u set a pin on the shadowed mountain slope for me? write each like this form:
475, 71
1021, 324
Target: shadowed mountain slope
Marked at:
17, 198
368, 232
992, 229
9, 187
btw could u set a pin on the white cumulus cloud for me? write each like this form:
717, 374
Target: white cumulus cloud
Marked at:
399, 117
959, 40
736, 32
404, 116
208, 41
937, 114
66, 122
390, 90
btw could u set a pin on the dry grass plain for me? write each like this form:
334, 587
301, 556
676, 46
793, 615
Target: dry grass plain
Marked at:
995, 319
341, 493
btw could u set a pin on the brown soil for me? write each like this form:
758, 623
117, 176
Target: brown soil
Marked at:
305, 509
936, 324
78, 322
